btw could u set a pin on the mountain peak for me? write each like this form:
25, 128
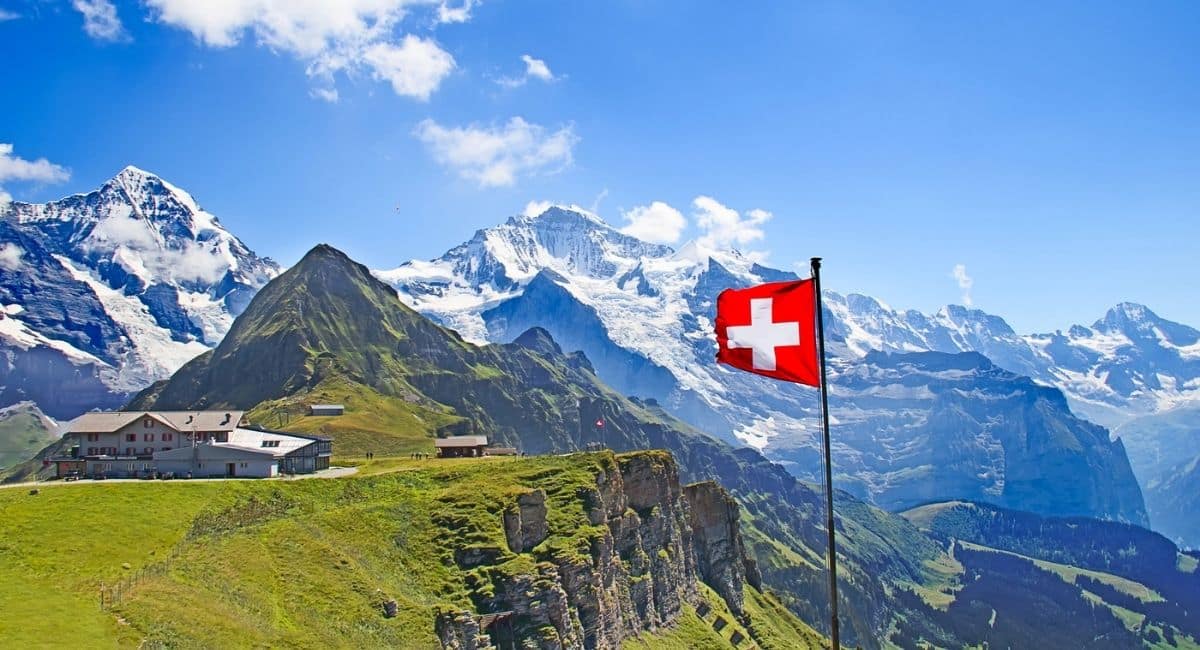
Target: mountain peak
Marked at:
134, 172
1125, 313
324, 252
538, 340
564, 214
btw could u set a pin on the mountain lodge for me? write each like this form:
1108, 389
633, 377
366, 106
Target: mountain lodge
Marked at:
131, 444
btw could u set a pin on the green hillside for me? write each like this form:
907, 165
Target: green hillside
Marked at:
299, 563
24, 430
1139, 578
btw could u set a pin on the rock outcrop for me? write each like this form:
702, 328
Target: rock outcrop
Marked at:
721, 557
525, 524
649, 543
459, 630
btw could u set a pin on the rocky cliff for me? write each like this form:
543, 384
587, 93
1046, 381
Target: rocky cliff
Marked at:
649, 544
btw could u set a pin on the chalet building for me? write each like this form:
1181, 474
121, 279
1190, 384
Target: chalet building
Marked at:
196, 443
326, 409
460, 446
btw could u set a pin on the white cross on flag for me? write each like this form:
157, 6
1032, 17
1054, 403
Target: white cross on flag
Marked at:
770, 330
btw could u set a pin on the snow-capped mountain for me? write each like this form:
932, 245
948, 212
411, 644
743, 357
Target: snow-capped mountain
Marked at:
642, 314
108, 291
648, 296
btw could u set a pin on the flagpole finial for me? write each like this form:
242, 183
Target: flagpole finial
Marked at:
816, 262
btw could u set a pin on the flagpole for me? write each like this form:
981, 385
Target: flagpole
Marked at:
833, 597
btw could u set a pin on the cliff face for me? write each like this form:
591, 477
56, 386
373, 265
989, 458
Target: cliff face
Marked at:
652, 541
721, 556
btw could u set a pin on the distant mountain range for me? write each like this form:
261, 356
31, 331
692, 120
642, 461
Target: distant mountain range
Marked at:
105, 292
648, 298
908, 427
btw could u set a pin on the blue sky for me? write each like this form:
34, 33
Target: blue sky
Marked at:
1052, 149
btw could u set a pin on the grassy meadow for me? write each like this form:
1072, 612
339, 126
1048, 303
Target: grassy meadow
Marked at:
288, 563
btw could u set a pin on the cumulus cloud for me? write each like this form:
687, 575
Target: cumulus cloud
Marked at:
657, 223
724, 227
15, 168
534, 69
415, 67
965, 282
330, 36
10, 256
496, 155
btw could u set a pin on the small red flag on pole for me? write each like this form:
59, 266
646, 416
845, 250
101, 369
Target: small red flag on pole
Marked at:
778, 330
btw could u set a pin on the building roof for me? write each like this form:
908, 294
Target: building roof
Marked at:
112, 421
326, 406
244, 441
461, 441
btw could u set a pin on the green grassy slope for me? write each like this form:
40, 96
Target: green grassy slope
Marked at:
24, 430
285, 563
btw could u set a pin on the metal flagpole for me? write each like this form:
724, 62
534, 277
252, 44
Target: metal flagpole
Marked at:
833, 597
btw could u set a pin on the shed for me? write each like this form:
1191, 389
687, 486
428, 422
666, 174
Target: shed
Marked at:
326, 409
460, 446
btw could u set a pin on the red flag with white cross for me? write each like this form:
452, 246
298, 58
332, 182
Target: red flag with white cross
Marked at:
777, 330
770, 330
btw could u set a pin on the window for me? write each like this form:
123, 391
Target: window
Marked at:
270, 443
93, 437
149, 450
129, 451
147, 423
167, 437
243, 464
149, 437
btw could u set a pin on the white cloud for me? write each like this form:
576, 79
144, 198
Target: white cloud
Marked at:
723, 227
328, 94
535, 208
330, 36
537, 68
447, 13
10, 256
657, 223
534, 69
100, 19
415, 67
15, 168
8, 15
965, 282
497, 155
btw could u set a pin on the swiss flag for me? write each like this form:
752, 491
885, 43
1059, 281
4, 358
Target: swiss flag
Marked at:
770, 330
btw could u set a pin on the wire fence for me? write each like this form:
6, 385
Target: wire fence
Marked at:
112, 595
